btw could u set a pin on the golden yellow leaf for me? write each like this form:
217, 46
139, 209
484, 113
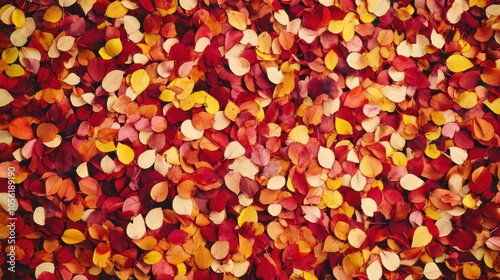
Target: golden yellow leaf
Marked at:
203, 258
116, 10
18, 18
212, 105
343, 127
125, 153
114, 46
370, 166
102, 254
331, 60
332, 199
231, 111
53, 14
152, 257
467, 99
10, 55
72, 236
494, 106
248, 214
458, 63
14, 70
140, 80
245, 246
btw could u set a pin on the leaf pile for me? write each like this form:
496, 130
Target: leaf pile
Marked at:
343, 139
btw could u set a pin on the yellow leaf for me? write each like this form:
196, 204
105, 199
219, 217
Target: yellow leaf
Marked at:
237, 19
231, 111
421, 237
53, 14
125, 153
105, 147
331, 60
336, 26
14, 70
348, 32
494, 106
18, 18
343, 127
113, 47
352, 263
152, 257
116, 10
101, 255
245, 246
72, 236
10, 55
167, 95
212, 105
467, 99
139, 80
203, 258
332, 199
186, 84
248, 214
299, 134
458, 63
370, 166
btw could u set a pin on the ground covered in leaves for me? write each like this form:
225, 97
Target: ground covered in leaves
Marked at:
255, 139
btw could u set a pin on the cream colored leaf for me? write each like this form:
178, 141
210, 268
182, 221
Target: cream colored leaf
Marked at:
374, 271
245, 167
411, 182
326, 157
154, 218
274, 75
136, 228
39, 216
357, 61
220, 249
238, 65
112, 81
191, 132
234, 150
390, 260
276, 182
146, 159
182, 206
188, 4
5, 97
432, 271
369, 206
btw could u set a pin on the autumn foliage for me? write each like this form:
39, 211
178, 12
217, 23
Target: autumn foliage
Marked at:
302, 139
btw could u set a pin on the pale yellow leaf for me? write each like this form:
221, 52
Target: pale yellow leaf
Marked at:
237, 19
421, 237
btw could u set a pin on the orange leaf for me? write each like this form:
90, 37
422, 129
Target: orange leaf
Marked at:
483, 130
46, 132
21, 128
203, 258
491, 76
